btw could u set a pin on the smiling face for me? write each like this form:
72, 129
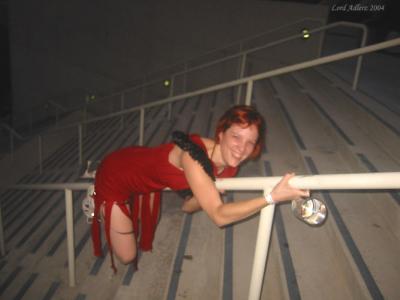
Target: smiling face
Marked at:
237, 143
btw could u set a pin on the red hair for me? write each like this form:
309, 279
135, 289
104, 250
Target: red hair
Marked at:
243, 115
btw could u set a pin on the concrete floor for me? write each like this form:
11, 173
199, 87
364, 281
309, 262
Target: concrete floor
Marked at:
316, 124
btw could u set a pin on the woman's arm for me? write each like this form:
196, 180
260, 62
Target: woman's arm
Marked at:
191, 205
221, 213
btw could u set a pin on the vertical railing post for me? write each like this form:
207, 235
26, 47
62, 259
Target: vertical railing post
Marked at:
185, 77
321, 44
141, 127
2, 243
169, 112
11, 145
83, 114
80, 146
143, 94
261, 251
122, 108
69, 217
172, 86
171, 93
359, 61
240, 75
30, 122
249, 92
57, 116
40, 142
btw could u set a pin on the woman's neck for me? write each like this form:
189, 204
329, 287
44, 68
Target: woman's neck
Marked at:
216, 157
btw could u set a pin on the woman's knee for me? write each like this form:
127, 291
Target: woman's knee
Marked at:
126, 257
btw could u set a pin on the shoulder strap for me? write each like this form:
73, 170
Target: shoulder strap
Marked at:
183, 141
195, 151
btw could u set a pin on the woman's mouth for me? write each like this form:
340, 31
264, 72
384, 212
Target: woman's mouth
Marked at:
236, 155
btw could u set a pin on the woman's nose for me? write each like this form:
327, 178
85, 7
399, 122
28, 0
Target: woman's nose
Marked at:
241, 146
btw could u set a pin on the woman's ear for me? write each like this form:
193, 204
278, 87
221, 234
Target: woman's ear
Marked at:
220, 135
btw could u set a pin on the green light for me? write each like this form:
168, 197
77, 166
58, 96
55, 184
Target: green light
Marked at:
90, 98
306, 33
167, 83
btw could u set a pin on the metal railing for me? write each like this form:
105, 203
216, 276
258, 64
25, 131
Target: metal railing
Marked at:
248, 81
318, 182
12, 135
242, 55
361, 181
184, 64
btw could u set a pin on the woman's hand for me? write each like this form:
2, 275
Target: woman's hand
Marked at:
284, 192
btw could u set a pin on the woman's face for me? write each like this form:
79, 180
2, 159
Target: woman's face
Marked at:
237, 143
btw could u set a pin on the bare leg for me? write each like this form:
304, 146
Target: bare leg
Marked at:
122, 233
122, 236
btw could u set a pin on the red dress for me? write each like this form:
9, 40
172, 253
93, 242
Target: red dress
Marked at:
133, 171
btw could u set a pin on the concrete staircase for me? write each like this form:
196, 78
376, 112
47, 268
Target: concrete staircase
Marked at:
316, 124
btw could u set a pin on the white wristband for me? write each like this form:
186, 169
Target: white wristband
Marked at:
268, 199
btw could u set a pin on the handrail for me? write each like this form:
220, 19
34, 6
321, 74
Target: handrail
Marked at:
13, 134
184, 61
249, 81
57, 105
260, 76
243, 53
149, 83
356, 181
275, 43
365, 181
12, 131
240, 42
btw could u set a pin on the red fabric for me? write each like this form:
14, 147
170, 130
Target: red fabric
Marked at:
129, 173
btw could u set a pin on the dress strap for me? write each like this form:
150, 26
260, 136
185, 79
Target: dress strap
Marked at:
195, 151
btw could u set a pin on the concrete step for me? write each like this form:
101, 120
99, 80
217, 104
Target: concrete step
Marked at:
346, 258
326, 152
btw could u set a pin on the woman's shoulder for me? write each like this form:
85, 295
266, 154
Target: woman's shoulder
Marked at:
206, 143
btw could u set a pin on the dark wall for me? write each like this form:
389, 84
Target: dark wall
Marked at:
5, 80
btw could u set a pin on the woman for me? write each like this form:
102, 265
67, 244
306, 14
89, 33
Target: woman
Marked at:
128, 181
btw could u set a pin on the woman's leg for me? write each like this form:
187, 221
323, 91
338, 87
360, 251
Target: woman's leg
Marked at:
122, 236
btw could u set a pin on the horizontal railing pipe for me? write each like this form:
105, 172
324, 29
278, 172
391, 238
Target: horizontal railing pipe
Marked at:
186, 69
239, 43
353, 181
264, 75
272, 44
246, 80
360, 181
356, 181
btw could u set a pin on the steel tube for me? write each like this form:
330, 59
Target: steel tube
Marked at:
122, 108
69, 216
2, 243
261, 250
141, 127
359, 61
80, 146
242, 69
249, 92
12, 145
360, 181
268, 74
357, 181
353, 181
40, 153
